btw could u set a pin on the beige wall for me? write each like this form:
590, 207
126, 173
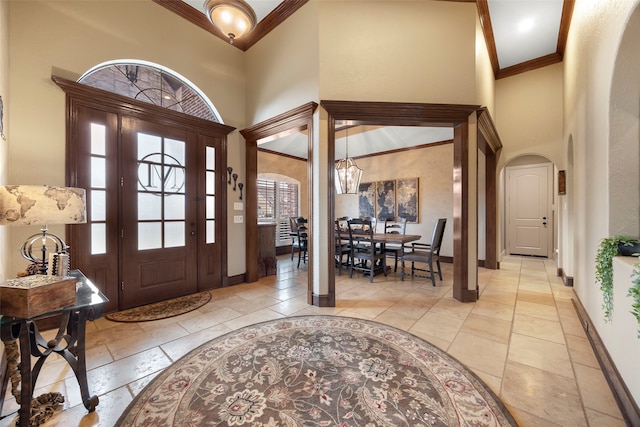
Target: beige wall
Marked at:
485, 81
433, 166
5, 248
393, 51
297, 169
594, 41
74, 36
529, 114
282, 68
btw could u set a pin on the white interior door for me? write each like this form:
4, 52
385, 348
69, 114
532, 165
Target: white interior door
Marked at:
529, 219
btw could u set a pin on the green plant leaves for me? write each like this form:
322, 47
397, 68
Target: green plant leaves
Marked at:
608, 249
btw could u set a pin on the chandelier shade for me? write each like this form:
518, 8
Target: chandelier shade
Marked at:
348, 173
234, 18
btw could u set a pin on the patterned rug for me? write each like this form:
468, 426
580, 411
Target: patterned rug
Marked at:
162, 309
316, 371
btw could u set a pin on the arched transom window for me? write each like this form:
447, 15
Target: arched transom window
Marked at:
151, 83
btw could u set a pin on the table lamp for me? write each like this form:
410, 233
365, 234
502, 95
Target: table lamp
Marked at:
42, 205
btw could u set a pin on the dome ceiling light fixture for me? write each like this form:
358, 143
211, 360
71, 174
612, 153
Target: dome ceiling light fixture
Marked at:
234, 18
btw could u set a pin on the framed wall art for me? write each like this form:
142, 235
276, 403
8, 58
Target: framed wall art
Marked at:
386, 199
389, 198
562, 183
407, 199
367, 199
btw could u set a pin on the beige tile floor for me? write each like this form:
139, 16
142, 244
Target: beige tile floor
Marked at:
522, 338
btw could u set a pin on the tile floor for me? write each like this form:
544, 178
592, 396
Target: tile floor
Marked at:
522, 338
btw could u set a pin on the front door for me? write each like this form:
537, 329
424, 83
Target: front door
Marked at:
159, 215
529, 225
155, 203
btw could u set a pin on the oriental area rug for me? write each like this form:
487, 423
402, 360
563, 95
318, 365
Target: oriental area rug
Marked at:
162, 309
316, 371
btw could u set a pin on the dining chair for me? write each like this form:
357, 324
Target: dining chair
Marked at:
374, 221
343, 246
302, 239
293, 233
425, 254
395, 225
364, 248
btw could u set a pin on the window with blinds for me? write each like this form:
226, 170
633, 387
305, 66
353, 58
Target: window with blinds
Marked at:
277, 201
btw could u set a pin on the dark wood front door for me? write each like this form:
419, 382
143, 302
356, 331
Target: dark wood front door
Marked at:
159, 213
156, 184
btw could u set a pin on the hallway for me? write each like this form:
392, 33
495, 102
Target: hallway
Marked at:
522, 338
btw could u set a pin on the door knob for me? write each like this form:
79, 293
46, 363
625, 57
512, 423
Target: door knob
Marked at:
544, 220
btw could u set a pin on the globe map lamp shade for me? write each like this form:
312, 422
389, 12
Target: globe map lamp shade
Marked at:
348, 173
234, 18
42, 205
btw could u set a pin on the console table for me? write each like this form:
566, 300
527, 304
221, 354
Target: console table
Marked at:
68, 343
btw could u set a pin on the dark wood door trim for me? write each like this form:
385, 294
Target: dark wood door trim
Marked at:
80, 96
490, 144
297, 120
411, 114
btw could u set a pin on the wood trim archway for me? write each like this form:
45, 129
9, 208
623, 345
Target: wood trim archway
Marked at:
489, 143
415, 114
296, 120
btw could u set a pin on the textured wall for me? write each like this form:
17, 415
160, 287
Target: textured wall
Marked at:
593, 49
434, 168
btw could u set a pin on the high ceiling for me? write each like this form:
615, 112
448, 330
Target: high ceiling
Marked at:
521, 35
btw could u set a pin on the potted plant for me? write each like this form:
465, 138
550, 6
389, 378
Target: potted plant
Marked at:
610, 247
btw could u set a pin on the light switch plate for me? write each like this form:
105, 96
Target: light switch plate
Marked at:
238, 206
238, 219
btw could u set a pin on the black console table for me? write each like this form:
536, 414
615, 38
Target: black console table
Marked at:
68, 343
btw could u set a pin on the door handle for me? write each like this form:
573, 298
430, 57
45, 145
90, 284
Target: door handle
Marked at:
193, 233
544, 220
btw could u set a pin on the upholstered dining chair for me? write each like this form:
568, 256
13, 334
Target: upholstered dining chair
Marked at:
424, 253
364, 248
395, 225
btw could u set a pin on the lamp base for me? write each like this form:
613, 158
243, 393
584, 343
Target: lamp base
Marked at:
46, 242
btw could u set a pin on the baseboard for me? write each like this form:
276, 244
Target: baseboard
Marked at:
624, 399
326, 300
567, 280
236, 280
283, 250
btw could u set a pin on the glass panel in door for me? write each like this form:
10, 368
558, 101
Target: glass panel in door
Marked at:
159, 229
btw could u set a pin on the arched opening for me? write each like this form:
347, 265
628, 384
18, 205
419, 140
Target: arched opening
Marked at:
624, 149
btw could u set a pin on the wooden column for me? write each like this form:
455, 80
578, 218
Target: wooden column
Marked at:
463, 236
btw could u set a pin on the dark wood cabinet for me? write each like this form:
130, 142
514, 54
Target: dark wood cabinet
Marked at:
267, 262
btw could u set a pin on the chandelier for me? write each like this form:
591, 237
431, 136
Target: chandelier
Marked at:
348, 173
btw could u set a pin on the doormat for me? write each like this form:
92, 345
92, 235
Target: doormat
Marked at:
162, 309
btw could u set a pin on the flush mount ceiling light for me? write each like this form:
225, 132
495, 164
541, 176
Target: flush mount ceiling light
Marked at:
234, 18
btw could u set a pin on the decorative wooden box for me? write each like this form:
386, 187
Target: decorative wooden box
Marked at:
31, 296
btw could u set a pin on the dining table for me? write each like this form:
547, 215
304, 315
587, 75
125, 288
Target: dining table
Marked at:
399, 239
